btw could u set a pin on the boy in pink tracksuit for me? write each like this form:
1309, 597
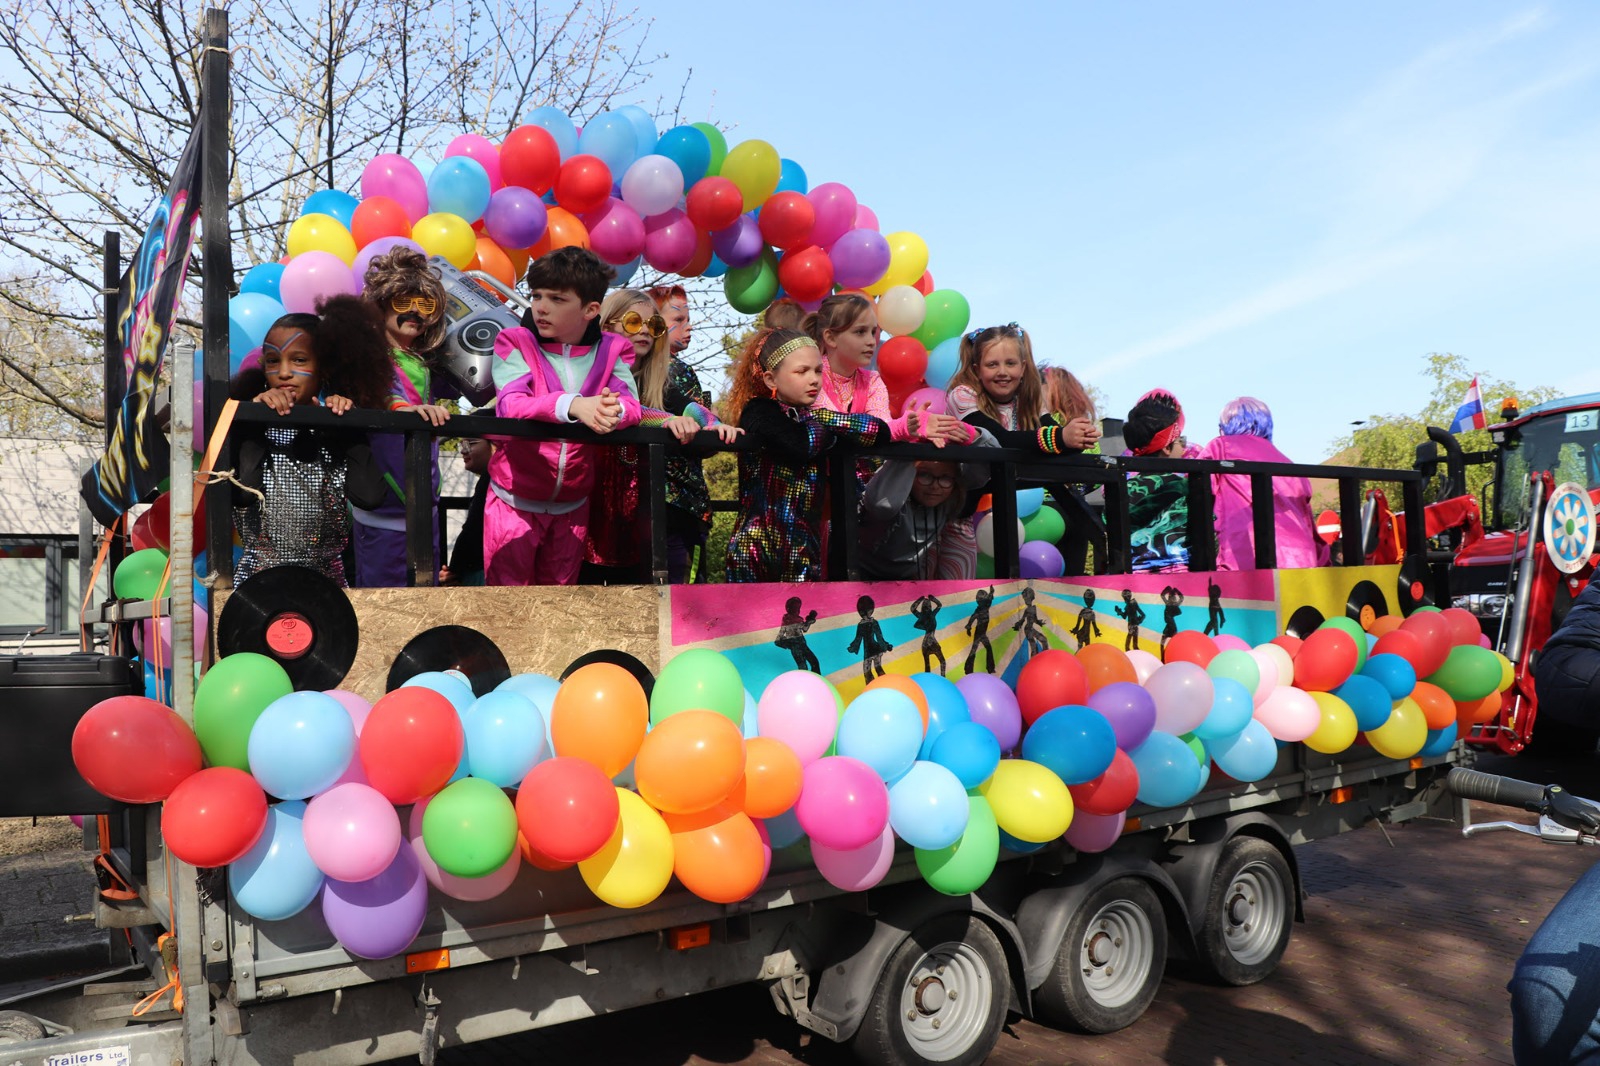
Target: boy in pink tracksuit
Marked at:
538, 506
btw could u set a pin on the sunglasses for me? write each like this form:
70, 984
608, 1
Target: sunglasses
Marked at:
422, 305
943, 481
633, 322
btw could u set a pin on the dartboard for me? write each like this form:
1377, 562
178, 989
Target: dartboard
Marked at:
1569, 527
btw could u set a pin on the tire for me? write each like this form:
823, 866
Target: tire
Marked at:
19, 1028
1110, 961
1249, 913
942, 998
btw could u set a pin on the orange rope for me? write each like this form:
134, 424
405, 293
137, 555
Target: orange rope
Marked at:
94, 579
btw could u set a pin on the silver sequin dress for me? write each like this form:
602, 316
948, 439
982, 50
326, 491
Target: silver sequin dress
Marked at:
305, 520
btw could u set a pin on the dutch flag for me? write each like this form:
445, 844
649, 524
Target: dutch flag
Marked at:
1470, 414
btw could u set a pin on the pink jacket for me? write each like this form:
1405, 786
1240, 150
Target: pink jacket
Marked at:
1291, 506
552, 471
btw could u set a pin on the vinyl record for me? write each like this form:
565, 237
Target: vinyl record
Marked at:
299, 618
1303, 622
451, 648
641, 673
1366, 604
1413, 582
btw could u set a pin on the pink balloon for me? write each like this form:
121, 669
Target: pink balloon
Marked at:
766, 847
147, 636
199, 420
398, 178
1229, 642
1269, 675
935, 400
866, 218
1183, 696
352, 832
358, 707
378, 247
799, 708
1144, 664
1485, 642
313, 275
1093, 833
856, 869
843, 803
616, 232
471, 889
480, 150
669, 241
835, 205
1289, 714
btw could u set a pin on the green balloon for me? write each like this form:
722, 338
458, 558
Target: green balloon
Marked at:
138, 577
1238, 666
985, 566
719, 146
1197, 748
470, 828
1045, 524
229, 699
1470, 673
751, 288
1357, 634
965, 865
947, 316
699, 680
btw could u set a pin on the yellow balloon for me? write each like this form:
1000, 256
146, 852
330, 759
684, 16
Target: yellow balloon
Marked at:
1404, 734
754, 167
1029, 801
1508, 673
448, 235
1337, 730
321, 233
908, 261
636, 863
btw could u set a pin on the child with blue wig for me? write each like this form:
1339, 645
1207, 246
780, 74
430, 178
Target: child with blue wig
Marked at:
1245, 435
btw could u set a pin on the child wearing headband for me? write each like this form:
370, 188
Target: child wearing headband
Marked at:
773, 398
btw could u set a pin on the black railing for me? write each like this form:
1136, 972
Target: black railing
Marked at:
1010, 469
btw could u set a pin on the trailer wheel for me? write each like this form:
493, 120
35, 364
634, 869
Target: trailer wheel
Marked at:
1110, 961
1249, 913
942, 997
19, 1028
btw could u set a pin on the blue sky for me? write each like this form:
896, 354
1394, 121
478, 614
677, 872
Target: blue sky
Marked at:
1287, 200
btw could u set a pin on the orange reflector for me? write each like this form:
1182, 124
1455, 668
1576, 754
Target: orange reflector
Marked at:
1132, 825
423, 961
1342, 795
1415, 763
689, 936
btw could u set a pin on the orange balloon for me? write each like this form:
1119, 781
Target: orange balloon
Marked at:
1384, 623
1437, 706
599, 715
519, 261
493, 260
562, 230
716, 853
772, 777
902, 683
1105, 664
689, 762
1476, 712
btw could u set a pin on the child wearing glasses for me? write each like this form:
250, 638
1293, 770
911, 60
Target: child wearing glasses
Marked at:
906, 514
410, 298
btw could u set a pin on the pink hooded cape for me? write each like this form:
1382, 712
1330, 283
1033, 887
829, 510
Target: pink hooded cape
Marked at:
1291, 508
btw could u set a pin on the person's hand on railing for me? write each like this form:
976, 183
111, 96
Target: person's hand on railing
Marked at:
431, 413
280, 400
681, 427
338, 404
726, 433
1080, 433
599, 413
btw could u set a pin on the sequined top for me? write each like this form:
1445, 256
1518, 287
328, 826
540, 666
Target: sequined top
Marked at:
303, 520
686, 480
777, 536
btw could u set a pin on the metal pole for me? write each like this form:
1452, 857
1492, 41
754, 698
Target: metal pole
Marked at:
217, 257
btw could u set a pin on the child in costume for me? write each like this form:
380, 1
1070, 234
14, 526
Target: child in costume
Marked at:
293, 483
1158, 503
906, 512
537, 513
1245, 429
775, 384
1067, 400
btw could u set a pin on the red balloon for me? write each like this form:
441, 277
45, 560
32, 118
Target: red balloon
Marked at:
1434, 631
567, 809
902, 361
530, 158
1464, 627
714, 203
213, 817
1403, 643
143, 534
583, 184
924, 284
1190, 646
1053, 678
1325, 661
1112, 792
1288, 644
786, 220
702, 255
134, 749
807, 274
411, 744
379, 216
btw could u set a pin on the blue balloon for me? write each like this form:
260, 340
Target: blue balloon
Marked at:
784, 830
644, 128
943, 362
541, 689
752, 716
946, 707
459, 186
627, 270
250, 316
1075, 743
883, 729
263, 278
690, 149
504, 738
301, 744
1029, 501
928, 806
1019, 847
1368, 698
969, 751
1248, 755
715, 269
791, 177
610, 138
276, 878
555, 122
1393, 673
150, 690
340, 205
1439, 741
1169, 775
424, 166
1232, 708
458, 692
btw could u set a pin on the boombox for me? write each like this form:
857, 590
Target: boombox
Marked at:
475, 319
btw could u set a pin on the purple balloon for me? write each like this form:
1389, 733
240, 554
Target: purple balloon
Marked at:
993, 705
616, 232
1040, 558
740, 244
859, 258
836, 213
669, 241
377, 918
516, 217
1130, 710
1092, 833
378, 247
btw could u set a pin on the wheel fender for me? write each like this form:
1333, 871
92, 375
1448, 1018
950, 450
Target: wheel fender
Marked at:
1195, 862
1045, 913
843, 988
